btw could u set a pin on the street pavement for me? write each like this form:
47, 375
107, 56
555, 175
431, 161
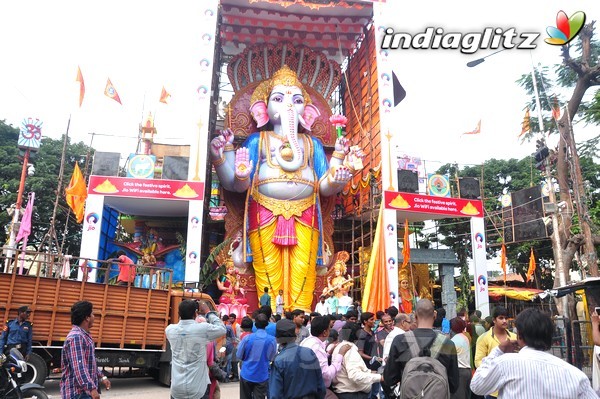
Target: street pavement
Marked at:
146, 388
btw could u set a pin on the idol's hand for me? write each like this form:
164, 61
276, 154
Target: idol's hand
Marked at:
342, 144
340, 174
243, 164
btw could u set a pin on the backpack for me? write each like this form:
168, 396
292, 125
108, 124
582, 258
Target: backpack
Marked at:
424, 376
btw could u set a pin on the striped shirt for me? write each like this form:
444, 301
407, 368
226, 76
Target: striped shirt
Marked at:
78, 363
530, 374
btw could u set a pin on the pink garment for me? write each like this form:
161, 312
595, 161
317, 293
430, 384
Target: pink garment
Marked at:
285, 231
25, 228
329, 370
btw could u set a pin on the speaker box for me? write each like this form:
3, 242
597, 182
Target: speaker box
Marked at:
175, 168
528, 214
408, 181
469, 188
106, 163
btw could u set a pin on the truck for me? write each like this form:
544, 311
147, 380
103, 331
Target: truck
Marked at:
129, 331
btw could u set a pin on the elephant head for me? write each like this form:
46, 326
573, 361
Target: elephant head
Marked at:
283, 101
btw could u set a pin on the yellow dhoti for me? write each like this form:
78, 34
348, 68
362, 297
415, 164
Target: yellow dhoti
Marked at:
290, 268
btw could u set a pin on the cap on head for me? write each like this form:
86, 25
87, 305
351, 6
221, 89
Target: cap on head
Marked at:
24, 309
285, 329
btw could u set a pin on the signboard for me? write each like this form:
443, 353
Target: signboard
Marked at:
30, 134
141, 166
456, 207
146, 188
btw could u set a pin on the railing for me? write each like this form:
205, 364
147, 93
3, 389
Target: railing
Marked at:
53, 265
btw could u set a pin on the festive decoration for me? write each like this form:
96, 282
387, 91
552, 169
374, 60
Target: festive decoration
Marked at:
405, 246
111, 92
477, 129
339, 121
376, 293
81, 86
30, 134
525, 124
503, 261
531, 269
76, 193
164, 96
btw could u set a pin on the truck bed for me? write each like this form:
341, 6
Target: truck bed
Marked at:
126, 317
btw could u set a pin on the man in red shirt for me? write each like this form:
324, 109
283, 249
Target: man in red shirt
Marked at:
126, 269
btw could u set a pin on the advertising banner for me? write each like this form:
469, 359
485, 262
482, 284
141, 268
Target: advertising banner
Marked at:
456, 207
146, 188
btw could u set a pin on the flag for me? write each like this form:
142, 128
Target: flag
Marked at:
81, 86
503, 261
376, 294
531, 269
25, 228
164, 95
405, 246
111, 92
525, 123
477, 129
555, 108
76, 193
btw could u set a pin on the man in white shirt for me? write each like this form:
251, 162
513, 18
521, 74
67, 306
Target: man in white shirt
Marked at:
402, 325
188, 339
532, 372
322, 307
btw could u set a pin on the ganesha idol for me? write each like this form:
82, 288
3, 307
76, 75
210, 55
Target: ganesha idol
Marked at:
285, 175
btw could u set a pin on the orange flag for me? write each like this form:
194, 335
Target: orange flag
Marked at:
477, 129
406, 246
531, 269
503, 261
164, 95
525, 123
376, 294
76, 193
555, 108
111, 92
81, 86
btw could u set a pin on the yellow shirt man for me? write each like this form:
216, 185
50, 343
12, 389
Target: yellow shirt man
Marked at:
493, 337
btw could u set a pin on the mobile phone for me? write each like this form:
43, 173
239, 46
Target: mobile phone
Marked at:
597, 309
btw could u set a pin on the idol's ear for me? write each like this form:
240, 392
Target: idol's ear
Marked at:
311, 113
259, 113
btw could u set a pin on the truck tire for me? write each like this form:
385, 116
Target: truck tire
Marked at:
35, 393
37, 370
164, 373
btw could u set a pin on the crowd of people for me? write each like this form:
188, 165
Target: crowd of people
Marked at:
358, 355
361, 355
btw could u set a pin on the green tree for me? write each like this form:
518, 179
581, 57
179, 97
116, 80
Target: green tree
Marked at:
579, 71
45, 185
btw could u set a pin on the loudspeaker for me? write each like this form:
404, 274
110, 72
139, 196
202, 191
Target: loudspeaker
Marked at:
469, 188
408, 181
528, 214
106, 163
175, 168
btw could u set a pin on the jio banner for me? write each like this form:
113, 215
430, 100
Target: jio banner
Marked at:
482, 301
90, 237
194, 240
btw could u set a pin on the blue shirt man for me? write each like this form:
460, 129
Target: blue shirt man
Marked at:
265, 299
296, 371
18, 333
256, 351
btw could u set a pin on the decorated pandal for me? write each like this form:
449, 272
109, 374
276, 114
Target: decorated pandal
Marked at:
279, 185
